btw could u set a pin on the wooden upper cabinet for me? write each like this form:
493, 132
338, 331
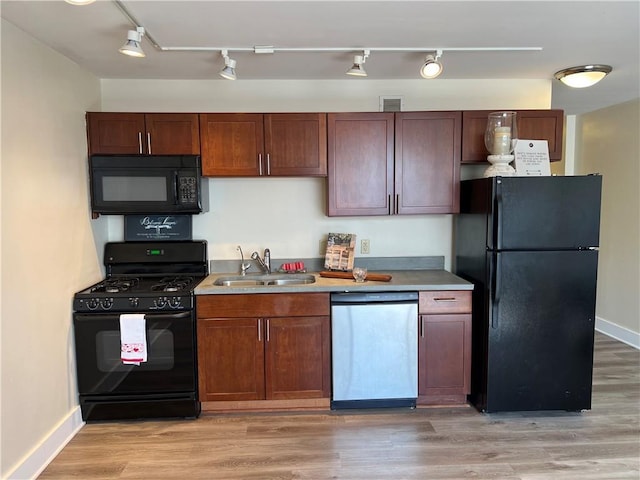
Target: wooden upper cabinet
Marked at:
387, 164
174, 133
116, 133
360, 163
232, 144
256, 144
427, 162
532, 125
296, 144
143, 133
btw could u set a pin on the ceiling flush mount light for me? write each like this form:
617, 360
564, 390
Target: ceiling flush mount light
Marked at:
583, 76
229, 70
432, 67
79, 2
132, 46
357, 70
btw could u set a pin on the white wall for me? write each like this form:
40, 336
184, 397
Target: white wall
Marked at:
50, 247
608, 143
288, 215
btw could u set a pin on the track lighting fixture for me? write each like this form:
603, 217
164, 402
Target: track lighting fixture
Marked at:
229, 70
432, 67
583, 76
357, 69
132, 46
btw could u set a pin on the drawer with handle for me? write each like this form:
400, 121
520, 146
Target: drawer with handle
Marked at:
445, 301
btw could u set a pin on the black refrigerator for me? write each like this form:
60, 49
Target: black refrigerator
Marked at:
529, 245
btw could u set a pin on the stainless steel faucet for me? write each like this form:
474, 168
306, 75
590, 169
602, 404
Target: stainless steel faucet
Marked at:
264, 263
243, 266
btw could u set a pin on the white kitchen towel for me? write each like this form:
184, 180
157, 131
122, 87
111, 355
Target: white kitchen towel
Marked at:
133, 338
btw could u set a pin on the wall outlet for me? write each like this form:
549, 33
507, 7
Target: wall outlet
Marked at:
365, 246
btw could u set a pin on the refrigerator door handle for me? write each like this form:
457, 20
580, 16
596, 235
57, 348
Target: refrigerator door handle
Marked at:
498, 205
495, 309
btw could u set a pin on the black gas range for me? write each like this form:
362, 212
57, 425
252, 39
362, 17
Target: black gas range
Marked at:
155, 281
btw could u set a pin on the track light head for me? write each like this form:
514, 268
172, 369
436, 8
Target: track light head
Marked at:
583, 76
432, 67
229, 70
132, 46
357, 70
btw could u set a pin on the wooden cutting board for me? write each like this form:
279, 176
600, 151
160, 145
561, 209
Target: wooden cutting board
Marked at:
375, 277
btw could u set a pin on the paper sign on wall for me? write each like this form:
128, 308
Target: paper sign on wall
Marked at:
532, 158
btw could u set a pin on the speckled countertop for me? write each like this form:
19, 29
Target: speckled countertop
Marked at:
402, 280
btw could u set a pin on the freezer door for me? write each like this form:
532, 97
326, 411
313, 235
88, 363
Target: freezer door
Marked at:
545, 213
540, 331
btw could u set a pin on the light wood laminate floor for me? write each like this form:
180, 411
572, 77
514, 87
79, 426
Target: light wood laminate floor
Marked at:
432, 443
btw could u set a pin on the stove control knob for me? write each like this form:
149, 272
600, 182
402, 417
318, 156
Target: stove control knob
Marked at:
134, 301
161, 302
107, 303
92, 303
175, 302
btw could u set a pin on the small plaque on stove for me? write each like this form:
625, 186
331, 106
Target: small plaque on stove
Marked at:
143, 228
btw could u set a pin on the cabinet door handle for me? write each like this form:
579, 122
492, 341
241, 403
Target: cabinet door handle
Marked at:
260, 164
389, 204
445, 299
140, 143
149, 142
267, 329
422, 327
259, 329
268, 164
397, 203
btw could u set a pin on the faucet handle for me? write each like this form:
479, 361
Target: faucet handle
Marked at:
243, 266
267, 259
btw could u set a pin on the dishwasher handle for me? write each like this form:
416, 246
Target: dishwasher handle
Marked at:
351, 298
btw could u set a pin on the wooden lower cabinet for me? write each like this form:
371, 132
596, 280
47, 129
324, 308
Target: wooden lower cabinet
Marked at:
297, 358
444, 347
230, 359
278, 359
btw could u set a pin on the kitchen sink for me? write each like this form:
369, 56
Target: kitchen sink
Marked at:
239, 281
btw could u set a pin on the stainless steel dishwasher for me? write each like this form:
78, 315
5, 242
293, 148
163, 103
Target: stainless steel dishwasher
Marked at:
374, 339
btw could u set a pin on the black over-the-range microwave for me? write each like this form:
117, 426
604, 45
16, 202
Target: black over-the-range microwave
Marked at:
146, 184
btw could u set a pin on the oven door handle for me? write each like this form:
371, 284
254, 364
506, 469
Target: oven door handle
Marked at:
90, 316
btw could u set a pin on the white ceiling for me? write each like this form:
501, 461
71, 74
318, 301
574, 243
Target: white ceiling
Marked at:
569, 32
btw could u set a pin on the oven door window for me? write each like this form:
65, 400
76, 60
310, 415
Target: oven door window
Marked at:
160, 351
171, 364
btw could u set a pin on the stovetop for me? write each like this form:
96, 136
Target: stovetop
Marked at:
136, 293
127, 285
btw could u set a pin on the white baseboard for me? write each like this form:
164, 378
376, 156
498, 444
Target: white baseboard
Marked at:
42, 454
619, 333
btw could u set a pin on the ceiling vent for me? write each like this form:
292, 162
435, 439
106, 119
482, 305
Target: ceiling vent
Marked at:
391, 103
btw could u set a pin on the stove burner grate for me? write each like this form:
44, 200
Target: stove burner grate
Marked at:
172, 284
115, 285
